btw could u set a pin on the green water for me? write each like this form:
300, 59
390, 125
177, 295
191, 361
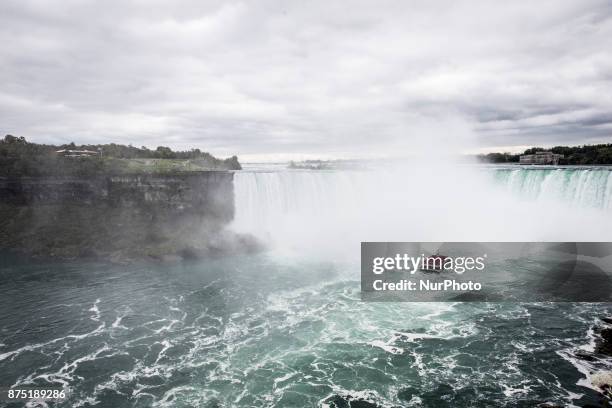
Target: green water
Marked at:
264, 331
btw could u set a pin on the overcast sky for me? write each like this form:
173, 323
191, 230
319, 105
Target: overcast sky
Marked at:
280, 79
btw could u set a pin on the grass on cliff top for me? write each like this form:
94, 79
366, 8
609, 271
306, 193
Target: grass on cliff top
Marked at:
165, 166
53, 165
150, 166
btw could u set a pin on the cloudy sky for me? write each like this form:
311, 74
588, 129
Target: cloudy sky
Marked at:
278, 79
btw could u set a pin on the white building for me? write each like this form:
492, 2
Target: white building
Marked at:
77, 153
540, 158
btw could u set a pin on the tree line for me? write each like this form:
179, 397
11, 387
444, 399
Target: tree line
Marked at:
18, 157
573, 155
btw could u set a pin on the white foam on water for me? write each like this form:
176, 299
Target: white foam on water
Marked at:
95, 310
386, 347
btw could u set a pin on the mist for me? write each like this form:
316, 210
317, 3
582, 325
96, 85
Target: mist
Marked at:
430, 198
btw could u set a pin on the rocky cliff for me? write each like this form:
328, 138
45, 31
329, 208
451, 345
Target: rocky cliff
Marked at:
119, 217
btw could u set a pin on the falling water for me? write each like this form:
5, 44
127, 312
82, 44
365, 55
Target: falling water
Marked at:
492, 203
578, 187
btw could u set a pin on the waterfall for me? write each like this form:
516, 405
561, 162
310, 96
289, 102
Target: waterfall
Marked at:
577, 187
433, 203
263, 197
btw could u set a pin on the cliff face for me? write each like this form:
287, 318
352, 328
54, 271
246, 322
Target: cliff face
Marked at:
209, 194
117, 216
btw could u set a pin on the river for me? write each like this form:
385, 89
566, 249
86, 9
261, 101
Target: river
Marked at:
286, 327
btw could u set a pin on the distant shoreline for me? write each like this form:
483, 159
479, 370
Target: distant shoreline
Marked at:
600, 154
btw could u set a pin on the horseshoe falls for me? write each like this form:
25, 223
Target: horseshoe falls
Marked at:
323, 209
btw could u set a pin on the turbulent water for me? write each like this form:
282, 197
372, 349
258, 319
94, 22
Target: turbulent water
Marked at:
286, 327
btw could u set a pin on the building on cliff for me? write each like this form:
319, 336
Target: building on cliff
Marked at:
541, 158
78, 153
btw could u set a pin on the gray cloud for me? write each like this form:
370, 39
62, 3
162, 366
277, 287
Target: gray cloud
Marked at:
286, 78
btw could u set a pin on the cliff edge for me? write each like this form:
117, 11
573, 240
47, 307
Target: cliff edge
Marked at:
120, 217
